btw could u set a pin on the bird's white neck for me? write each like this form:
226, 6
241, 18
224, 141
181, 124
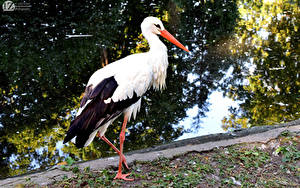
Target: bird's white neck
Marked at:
158, 60
155, 43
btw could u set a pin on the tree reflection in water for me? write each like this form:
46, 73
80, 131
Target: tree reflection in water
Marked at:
43, 72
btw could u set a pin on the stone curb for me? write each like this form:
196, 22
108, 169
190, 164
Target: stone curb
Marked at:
202, 143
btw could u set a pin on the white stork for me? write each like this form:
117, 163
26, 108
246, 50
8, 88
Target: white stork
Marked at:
118, 87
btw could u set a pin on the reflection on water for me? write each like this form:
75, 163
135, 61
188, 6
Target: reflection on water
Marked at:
218, 108
43, 72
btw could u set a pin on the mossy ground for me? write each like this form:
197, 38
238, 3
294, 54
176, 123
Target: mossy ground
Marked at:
275, 164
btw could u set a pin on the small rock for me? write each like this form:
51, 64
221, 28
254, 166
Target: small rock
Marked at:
235, 181
275, 153
216, 177
263, 146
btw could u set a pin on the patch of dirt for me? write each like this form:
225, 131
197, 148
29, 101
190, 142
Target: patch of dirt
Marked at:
275, 164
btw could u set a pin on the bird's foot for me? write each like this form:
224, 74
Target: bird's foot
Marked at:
123, 177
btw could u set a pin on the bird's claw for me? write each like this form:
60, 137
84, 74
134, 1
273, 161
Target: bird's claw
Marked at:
123, 177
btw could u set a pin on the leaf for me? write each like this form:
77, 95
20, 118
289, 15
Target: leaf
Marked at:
70, 161
62, 163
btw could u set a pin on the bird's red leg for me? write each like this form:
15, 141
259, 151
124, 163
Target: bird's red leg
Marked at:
114, 148
122, 138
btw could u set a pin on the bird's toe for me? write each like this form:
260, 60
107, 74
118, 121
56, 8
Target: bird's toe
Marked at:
123, 177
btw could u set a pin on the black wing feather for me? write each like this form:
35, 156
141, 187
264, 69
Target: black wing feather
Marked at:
87, 93
97, 110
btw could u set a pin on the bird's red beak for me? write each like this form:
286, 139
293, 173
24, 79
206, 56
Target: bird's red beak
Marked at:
169, 37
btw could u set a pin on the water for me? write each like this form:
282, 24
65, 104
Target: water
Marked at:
218, 109
244, 50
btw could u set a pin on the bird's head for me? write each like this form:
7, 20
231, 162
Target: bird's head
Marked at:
155, 26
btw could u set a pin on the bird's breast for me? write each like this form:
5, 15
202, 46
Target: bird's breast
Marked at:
159, 65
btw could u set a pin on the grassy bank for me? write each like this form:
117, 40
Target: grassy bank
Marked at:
275, 164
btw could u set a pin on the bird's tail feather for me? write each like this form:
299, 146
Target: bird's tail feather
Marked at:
84, 125
72, 132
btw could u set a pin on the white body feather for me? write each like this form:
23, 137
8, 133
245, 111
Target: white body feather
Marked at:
134, 73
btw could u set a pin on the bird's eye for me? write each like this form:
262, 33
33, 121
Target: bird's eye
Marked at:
157, 25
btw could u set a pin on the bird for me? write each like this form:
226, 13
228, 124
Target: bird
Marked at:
118, 88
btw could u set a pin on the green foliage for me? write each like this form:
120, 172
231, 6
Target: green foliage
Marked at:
75, 170
68, 167
70, 161
289, 153
87, 169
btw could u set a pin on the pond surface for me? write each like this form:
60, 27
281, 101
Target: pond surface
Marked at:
245, 50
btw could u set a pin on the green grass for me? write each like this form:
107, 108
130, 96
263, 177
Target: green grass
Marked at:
275, 164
